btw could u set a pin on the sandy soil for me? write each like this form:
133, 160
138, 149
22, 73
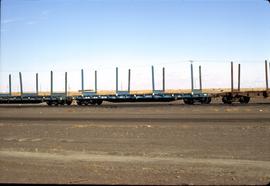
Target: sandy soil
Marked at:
159, 143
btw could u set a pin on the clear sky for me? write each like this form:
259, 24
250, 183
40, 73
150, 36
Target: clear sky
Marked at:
68, 35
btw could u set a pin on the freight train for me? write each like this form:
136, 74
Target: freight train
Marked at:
93, 98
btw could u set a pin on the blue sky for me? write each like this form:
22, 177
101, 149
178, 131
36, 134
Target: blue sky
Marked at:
67, 35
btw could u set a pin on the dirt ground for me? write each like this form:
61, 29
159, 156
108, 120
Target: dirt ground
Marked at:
153, 143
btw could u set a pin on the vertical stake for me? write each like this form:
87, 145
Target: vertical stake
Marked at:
232, 77
116, 89
82, 81
37, 84
10, 85
153, 79
266, 75
239, 76
192, 84
21, 85
51, 83
269, 70
66, 92
95, 81
163, 79
128, 80
200, 77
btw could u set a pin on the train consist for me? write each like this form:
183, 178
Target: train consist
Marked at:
93, 98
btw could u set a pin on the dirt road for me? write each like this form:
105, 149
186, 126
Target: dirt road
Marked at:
168, 143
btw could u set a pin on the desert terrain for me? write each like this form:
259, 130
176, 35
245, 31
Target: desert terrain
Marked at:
138, 143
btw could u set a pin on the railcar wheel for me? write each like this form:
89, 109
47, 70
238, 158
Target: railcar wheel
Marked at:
93, 102
189, 101
205, 100
247, 99
227, 99
99, 102
209, 99
265, 94
69, 102
244, 99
